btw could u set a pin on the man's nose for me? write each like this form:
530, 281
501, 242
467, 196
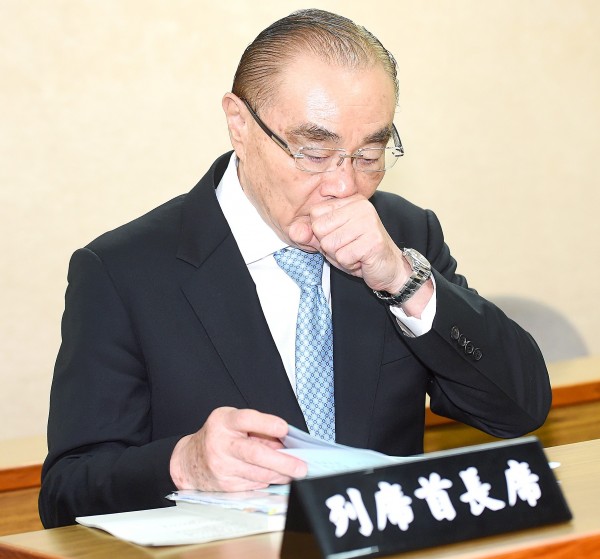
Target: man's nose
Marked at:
341, 182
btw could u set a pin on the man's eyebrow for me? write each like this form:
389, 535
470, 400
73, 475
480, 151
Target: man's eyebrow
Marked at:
312, 133
315, 133
382, 136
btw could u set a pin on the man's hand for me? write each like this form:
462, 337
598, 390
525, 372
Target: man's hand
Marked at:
350, 235
235, 450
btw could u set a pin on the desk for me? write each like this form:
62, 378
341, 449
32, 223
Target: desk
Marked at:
579, 475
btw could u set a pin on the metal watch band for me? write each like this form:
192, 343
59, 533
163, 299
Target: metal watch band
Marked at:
421, 272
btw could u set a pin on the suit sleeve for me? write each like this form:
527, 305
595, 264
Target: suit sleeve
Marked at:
485, 370
101, 458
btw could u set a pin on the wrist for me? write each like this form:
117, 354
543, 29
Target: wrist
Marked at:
420, 271
177, 462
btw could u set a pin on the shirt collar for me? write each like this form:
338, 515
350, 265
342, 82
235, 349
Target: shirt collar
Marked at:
253, 236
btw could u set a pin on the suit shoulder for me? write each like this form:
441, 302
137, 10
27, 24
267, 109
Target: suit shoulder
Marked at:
396, 211
155, 230
388, 203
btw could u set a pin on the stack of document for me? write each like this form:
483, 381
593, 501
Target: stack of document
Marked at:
202, 516
272, 500
183, 525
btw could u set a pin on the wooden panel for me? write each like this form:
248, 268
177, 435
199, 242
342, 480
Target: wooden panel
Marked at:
20, 477
585, 547
20, 462
19, 511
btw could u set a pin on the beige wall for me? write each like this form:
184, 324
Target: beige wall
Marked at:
109, 107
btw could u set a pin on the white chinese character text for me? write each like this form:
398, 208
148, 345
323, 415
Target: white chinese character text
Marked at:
433, 490
477, 494
393, 505
522, 483
343, 511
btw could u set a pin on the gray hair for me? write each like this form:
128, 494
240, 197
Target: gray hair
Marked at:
333, 38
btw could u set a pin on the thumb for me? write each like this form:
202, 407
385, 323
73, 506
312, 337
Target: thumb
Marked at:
301, 234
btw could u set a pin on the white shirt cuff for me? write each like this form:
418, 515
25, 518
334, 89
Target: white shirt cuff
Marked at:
412, 326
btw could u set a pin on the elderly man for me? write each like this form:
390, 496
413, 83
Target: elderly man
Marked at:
283, 289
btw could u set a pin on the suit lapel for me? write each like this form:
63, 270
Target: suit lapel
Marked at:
224, 298
358, 336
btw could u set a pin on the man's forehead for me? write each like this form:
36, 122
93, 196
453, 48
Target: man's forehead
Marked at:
323, 90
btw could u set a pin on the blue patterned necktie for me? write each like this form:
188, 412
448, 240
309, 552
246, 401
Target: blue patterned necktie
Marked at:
314, 341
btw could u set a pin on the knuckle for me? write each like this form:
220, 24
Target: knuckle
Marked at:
319, 227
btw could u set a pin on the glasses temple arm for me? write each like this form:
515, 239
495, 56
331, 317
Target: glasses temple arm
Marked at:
397, 140
266, 129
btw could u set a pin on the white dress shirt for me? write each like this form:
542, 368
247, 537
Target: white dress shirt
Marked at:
279, 295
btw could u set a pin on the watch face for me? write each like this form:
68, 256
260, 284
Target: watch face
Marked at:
417, 258
421, 272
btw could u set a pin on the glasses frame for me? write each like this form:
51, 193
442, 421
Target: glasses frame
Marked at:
345, 155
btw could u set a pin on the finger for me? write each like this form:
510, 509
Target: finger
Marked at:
275, 444
357, 217
252, 452
344, 237
253, 474
252, 478
346, 245
354, 247
256, 423
334, 204
238, 474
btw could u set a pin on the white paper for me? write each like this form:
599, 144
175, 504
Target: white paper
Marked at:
327, 458
183, 525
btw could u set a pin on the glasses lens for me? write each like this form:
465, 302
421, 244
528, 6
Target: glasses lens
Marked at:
317, 160
370, 160
374, 160
366, 160
392, 155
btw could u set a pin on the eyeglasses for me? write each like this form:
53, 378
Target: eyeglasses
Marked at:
325, 160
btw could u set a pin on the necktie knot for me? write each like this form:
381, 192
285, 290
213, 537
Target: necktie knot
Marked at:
305, 268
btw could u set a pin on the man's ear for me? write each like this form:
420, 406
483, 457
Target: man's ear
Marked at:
236, 113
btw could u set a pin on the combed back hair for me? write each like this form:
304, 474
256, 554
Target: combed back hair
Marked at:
334, 39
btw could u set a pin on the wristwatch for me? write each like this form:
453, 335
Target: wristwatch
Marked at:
421, 272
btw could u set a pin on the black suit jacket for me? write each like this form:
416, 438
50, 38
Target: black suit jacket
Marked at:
162, 324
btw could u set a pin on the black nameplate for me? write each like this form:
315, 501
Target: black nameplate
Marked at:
435, 499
